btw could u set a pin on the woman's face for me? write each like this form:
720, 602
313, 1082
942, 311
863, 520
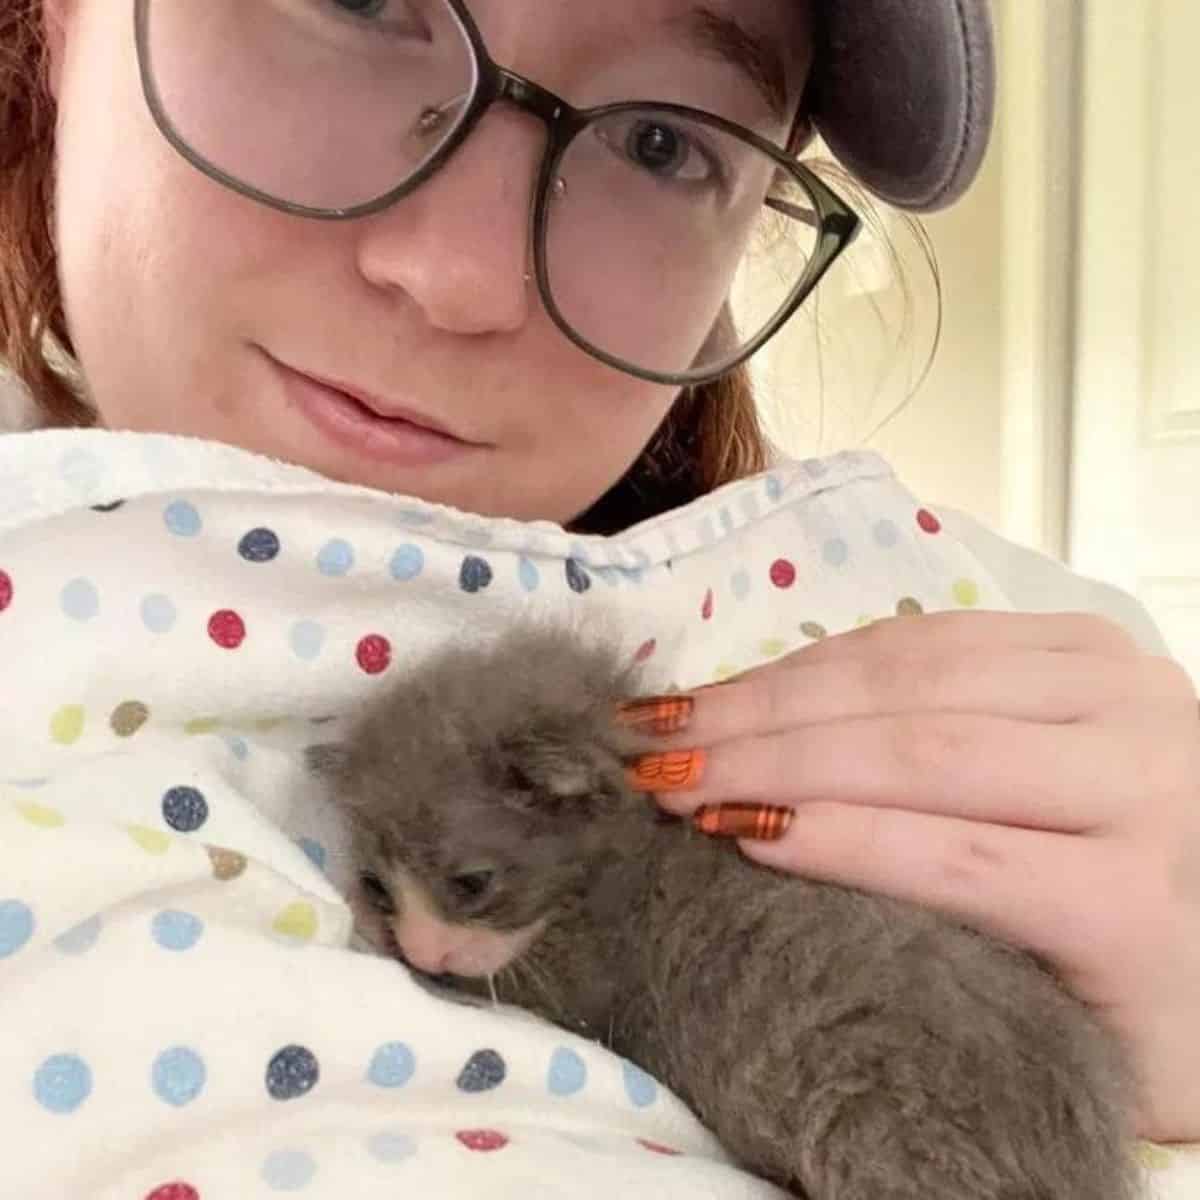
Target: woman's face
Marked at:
196, 311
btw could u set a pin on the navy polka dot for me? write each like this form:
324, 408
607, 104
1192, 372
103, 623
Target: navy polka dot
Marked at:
178, 1076
62, 1083
184, 809
292, 1072
259, 546
484, 1070
392, 1065
475, 574
578, 580
174, 930
16, 926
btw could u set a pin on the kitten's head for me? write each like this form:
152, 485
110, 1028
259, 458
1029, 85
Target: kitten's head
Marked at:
476, 831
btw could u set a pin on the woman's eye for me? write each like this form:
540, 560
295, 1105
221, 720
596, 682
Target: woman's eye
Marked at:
473, 887
363, 8
670, 153
376, 893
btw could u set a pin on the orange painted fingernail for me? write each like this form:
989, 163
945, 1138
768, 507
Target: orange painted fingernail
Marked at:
657, 715
674, 772
758, 822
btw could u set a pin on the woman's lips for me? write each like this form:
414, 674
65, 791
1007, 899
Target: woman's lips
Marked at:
398, 440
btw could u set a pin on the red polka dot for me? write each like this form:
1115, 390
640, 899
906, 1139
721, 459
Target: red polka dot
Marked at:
6, 590
783, 573
928, 521
482, 1139
227, 629
374, 654
174, 1191
645, 651
658, 1147
706, 609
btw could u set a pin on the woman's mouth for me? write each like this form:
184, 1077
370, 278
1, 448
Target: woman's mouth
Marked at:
399, 437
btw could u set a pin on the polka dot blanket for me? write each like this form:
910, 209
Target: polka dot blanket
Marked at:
183, 1015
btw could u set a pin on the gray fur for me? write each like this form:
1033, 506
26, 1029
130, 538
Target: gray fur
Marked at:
845, 1045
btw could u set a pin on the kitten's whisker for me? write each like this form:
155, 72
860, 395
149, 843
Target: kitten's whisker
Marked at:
492, 988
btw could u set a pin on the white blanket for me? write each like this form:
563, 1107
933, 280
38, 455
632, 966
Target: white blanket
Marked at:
181, 1014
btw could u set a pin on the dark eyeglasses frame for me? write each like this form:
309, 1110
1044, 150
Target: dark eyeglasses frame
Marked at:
836, 223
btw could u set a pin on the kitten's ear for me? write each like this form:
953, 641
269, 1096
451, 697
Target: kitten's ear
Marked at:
555, 779
328, 759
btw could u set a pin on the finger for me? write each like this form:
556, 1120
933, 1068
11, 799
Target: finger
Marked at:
981, 769
1041, 891
1044, 686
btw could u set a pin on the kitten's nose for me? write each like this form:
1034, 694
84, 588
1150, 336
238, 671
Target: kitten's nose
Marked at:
433, 962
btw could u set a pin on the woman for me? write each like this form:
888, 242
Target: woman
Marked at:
302, 228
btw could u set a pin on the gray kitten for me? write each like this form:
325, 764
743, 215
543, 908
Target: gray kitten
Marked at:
843, 1045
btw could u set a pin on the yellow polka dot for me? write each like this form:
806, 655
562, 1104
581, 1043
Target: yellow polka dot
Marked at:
908, 607
811, 629
40, 815
66, 726
153, 841
227, 864
773, 648
298, 921
202, 725
724, 672
863, 622
269, 724
966, 592
128, 718
1153, 1157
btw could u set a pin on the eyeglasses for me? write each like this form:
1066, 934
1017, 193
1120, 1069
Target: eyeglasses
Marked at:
668, 242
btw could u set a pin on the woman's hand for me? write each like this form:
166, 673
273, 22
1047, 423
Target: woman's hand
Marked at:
1035, 776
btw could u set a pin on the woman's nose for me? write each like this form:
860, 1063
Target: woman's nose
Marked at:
458, 246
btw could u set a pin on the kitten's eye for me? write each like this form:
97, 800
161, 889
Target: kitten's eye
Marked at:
378, 897
471, 887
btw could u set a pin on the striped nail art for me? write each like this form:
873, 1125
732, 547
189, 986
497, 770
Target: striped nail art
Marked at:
758, 822
657, 715
673, 772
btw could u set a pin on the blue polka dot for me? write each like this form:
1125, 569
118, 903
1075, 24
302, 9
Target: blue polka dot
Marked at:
740, 584
407, 563
178, 1076
336, 558
158, 614
307, 640
184, 809
392, 1065
836, 552
774, 488
529, 575
237, 747
887, 534
315, 851
259, 546
568, 1073
391, 1147
292, 1072
289, 1170
16, 926
79, 938
62, 1083
174, 930
82, 470
474, 575
639, 1087
182, 519
80, 600
485, 1070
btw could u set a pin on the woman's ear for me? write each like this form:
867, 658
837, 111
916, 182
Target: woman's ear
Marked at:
56, 15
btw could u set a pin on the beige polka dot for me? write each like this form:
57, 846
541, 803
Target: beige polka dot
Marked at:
128, 718
227, 864
41, 816
811, 629
966, 592
773, 648
723, 672
153, 841
298, 921
863, 622
202, 725
1153, 1157
66, 725
908, 607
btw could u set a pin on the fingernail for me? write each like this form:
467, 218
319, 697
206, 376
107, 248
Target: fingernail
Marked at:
674, 772
758, 822
660, 716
